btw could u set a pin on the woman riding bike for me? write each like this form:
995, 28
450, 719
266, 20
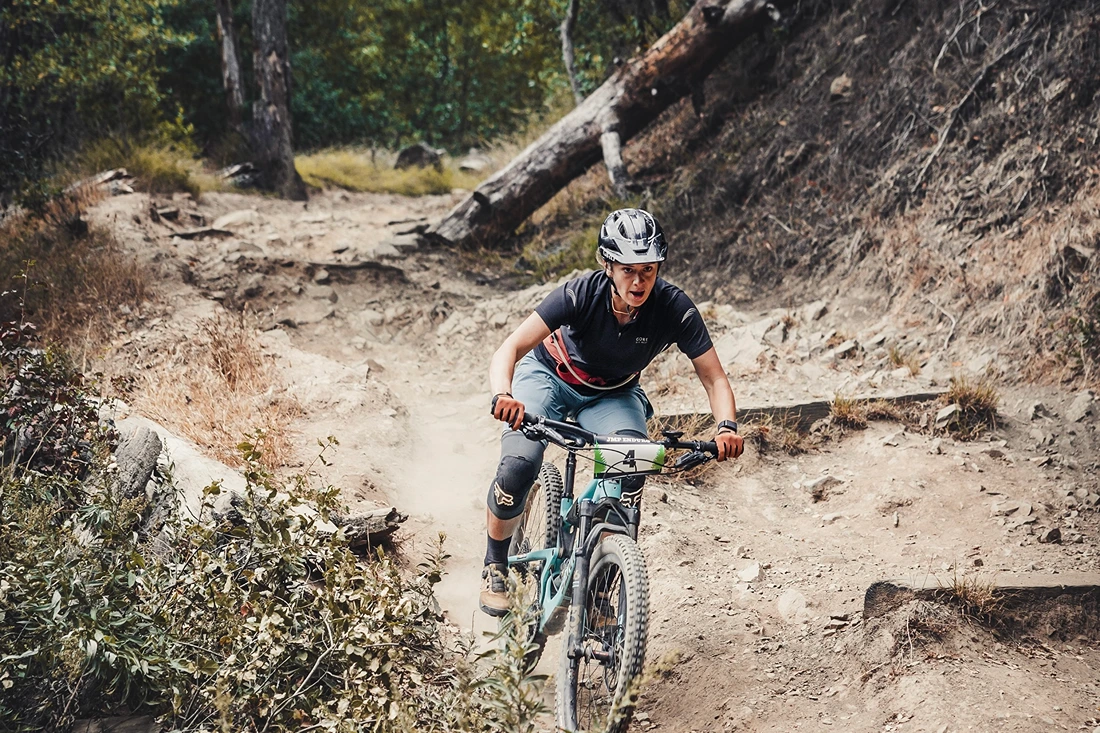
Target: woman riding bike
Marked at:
579, 355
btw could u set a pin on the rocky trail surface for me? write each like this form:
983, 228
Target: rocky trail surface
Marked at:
758, 568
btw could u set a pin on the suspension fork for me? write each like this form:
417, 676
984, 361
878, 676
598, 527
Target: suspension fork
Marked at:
580, 577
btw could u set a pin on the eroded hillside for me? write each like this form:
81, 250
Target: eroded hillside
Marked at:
936, 157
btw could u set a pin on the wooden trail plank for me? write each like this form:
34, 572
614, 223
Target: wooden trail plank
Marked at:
800, 415
1065, 605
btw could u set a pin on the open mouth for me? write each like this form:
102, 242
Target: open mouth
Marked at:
637, 294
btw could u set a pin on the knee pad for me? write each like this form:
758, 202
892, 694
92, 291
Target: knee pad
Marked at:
508, 492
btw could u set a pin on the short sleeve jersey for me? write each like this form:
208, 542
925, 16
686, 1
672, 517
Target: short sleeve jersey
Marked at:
597, 344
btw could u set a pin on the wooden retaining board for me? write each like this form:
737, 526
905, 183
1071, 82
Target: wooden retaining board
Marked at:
800, 415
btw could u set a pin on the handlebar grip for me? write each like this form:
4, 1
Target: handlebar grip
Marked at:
711, 447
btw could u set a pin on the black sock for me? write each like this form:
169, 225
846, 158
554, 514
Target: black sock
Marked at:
496, 551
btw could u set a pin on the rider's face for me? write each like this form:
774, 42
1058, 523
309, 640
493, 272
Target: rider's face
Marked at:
633, 283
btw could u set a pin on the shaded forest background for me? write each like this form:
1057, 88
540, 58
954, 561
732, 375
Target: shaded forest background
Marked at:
364, 72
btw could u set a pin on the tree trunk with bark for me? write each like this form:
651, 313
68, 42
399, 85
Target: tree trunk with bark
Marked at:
272, 139
597, 129
231, 65
567, 55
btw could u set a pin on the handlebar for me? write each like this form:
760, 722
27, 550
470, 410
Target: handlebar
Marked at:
569, 435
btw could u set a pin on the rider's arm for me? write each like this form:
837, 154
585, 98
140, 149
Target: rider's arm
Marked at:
722, 405
713, 376
519, 342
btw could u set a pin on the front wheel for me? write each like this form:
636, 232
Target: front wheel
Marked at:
603, 655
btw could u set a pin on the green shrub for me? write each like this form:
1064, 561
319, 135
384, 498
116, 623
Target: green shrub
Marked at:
258, 620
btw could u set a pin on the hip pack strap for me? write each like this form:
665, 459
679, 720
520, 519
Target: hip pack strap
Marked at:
572, 374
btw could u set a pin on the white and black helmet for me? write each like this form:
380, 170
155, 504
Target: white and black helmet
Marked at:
631, 237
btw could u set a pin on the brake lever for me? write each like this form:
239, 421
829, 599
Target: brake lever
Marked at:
691, 460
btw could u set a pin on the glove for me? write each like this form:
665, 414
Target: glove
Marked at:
508, 409
730, 445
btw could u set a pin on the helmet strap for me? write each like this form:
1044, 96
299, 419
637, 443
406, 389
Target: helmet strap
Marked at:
615, 290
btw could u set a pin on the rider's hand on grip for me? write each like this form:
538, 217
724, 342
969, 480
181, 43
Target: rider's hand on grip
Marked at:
730, 445
508, 409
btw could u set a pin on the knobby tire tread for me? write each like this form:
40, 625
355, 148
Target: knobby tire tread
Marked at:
623, 552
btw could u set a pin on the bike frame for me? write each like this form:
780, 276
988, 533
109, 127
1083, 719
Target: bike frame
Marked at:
565, 566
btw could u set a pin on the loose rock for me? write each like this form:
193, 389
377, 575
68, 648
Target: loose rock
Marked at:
1081, 407
236, 219
1052, 535
947, 416
752, 574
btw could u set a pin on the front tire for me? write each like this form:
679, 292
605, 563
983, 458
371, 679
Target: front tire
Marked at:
597, 686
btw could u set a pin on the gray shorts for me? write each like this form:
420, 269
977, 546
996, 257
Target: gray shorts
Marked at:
542, 392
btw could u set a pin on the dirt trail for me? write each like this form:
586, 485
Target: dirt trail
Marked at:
756, 586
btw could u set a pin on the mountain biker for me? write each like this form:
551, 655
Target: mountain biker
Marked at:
579, 355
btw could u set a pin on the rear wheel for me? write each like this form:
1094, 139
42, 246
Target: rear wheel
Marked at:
538, 531
596, 682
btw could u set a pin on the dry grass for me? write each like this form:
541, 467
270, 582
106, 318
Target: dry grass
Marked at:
694, 425
977, 401
68, 279
219, 388
848, 412
158, 168
910, 361
544, 262
359, 170
976, 597
776, 434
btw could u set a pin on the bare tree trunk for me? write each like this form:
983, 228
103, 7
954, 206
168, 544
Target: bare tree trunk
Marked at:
623, 105
567, 26
231, 65
272, 139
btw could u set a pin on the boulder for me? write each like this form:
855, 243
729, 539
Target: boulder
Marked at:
475, 161
794, 608
847, 349
136, 459
752, 574
420, 155
403, 242
739, 347
1081, 407
814, 311
306, 311
841, 86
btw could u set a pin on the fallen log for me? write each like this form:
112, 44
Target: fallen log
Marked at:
368, 529
597, 128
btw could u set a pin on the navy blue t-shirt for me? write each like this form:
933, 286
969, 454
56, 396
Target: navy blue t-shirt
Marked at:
598, 345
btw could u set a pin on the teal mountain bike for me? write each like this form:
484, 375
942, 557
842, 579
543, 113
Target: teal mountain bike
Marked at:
578, 556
